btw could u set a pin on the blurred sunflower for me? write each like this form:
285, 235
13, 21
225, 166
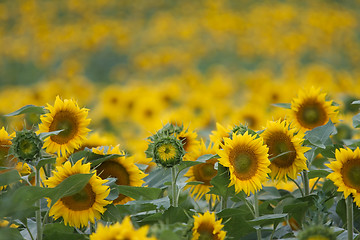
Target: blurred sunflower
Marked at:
247, 159
5, 144
67, 116
122, 168
217, 136
310, 109
202, 172
206, 227
78, 209
123, 230
285, 149
346, 172
317, 232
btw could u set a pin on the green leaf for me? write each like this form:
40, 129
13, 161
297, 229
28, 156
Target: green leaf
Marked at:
206, 157
267, 219
145, 193
220, 182
319, 136
27, 109
45, 161
356, 121
10, 233
282, 105
356, 102
9, 177
70, 186
318, 173
48, 134
168, 234
186, 164
60, 231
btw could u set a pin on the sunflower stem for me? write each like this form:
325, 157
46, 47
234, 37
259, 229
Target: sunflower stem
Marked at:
38, 204
257, 214
173, 186
298, 186
349, 217
306, 183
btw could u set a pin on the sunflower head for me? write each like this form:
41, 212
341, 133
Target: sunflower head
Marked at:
247, 159
310, 109
68, 117
346, 172
317, 232
5, 144
206, 227
26, 145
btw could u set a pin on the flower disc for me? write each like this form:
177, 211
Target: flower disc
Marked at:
310, 109
285, 150
78, 209
206, 227
247, 159
122, 168
346, 172
67, 116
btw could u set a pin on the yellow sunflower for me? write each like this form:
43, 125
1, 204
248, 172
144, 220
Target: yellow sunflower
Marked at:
124, 230
206, 227
67, 116
346, 175
122, 168
189, 141
285, 150
247, 159
78, 209
218, 136
5, 144
202, 172
310, 109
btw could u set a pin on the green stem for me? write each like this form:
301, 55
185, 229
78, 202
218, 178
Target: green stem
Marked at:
38, 204
350, 217
306, 183
298, 186
257, 214
316, 182
223, 203
173, 187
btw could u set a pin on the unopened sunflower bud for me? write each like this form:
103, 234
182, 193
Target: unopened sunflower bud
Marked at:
317, 232
26, 145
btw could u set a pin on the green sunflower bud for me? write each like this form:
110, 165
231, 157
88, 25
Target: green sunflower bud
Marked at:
241, 129
317, 232
166, 151
26, 145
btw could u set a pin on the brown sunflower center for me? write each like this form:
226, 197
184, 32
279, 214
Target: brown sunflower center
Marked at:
311, 114
206, 231
351, 174
82, 200
281, 149
244, 162
185, 142
66, 121
204, 172
116, 170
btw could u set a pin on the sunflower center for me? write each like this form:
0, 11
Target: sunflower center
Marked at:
242, 163
206, 231
167, 152
184, 141
204, 172
116, 170
281, 150
311, 114
67, 122
82, 200
351, 174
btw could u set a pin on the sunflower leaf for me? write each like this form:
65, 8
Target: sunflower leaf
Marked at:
27, 109
320, 136
206, 157
45, 161
144, 193
70, 186
9, 177
356, 121
282, 105
356, 102
48, 134
318, 173
267, 219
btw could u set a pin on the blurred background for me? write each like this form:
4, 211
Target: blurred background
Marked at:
140, 64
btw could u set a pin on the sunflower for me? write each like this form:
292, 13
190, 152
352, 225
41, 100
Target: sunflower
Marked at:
317, 232
247, 159
310, 109
218, 136
78, 209
346, 175
189, 141
202, 172
5, 144
206, 227
285, 149
67, 116
123, 168
124, 230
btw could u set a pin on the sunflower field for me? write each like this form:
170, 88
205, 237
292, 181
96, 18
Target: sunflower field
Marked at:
159, 119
